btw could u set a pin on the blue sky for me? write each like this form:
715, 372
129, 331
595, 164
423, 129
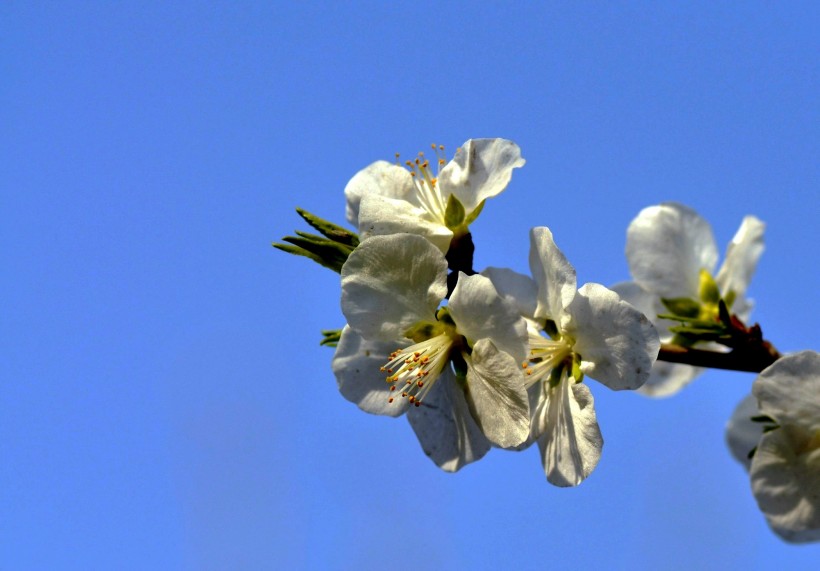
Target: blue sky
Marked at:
165, 403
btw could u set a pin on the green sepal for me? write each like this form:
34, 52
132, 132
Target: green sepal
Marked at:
708, 290
682, 306
700, 334
474, 214
577, 374
329, 229
454, 214
330, 337
730, 298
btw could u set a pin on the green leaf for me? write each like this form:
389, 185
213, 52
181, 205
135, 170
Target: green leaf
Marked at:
330, 230
290, 249
682, 306
330, 337
327, 252
454, 215
474, 214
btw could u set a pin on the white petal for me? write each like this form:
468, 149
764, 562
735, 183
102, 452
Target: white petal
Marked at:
617, 343
518, 289
785, 476
667, 379
380, 178
666, 246
497, 395
481, 169
356, 365
479, 312
571, 442
382, 216
742, 433
789, 390
741, 257
554, 275
390, 283
647, 303
445, 428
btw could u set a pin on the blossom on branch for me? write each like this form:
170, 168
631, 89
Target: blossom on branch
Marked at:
435, 201
453, 369
672, 256
776, 436
573, 333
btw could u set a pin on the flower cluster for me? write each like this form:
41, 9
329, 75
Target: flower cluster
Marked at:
497, 359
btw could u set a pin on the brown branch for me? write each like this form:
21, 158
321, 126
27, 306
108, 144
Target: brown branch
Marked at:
750, 358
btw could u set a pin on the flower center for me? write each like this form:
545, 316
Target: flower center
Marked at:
545, 355
414, 370
427, 190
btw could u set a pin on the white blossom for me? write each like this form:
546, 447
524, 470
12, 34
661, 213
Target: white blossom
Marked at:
776, 435
386, 198
672, 253
573, 332
456, 365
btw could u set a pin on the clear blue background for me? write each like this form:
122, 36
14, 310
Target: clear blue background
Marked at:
164, 403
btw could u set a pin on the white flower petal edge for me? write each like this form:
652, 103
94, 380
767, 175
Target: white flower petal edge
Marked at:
497, 395
789, 390
446, 429
617, 343
742, 256
666, 246
481, 169
379, 178
569, 438
356, 366
390, 283
382, 216
517, 289
555, 276
479, 312
665, 379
